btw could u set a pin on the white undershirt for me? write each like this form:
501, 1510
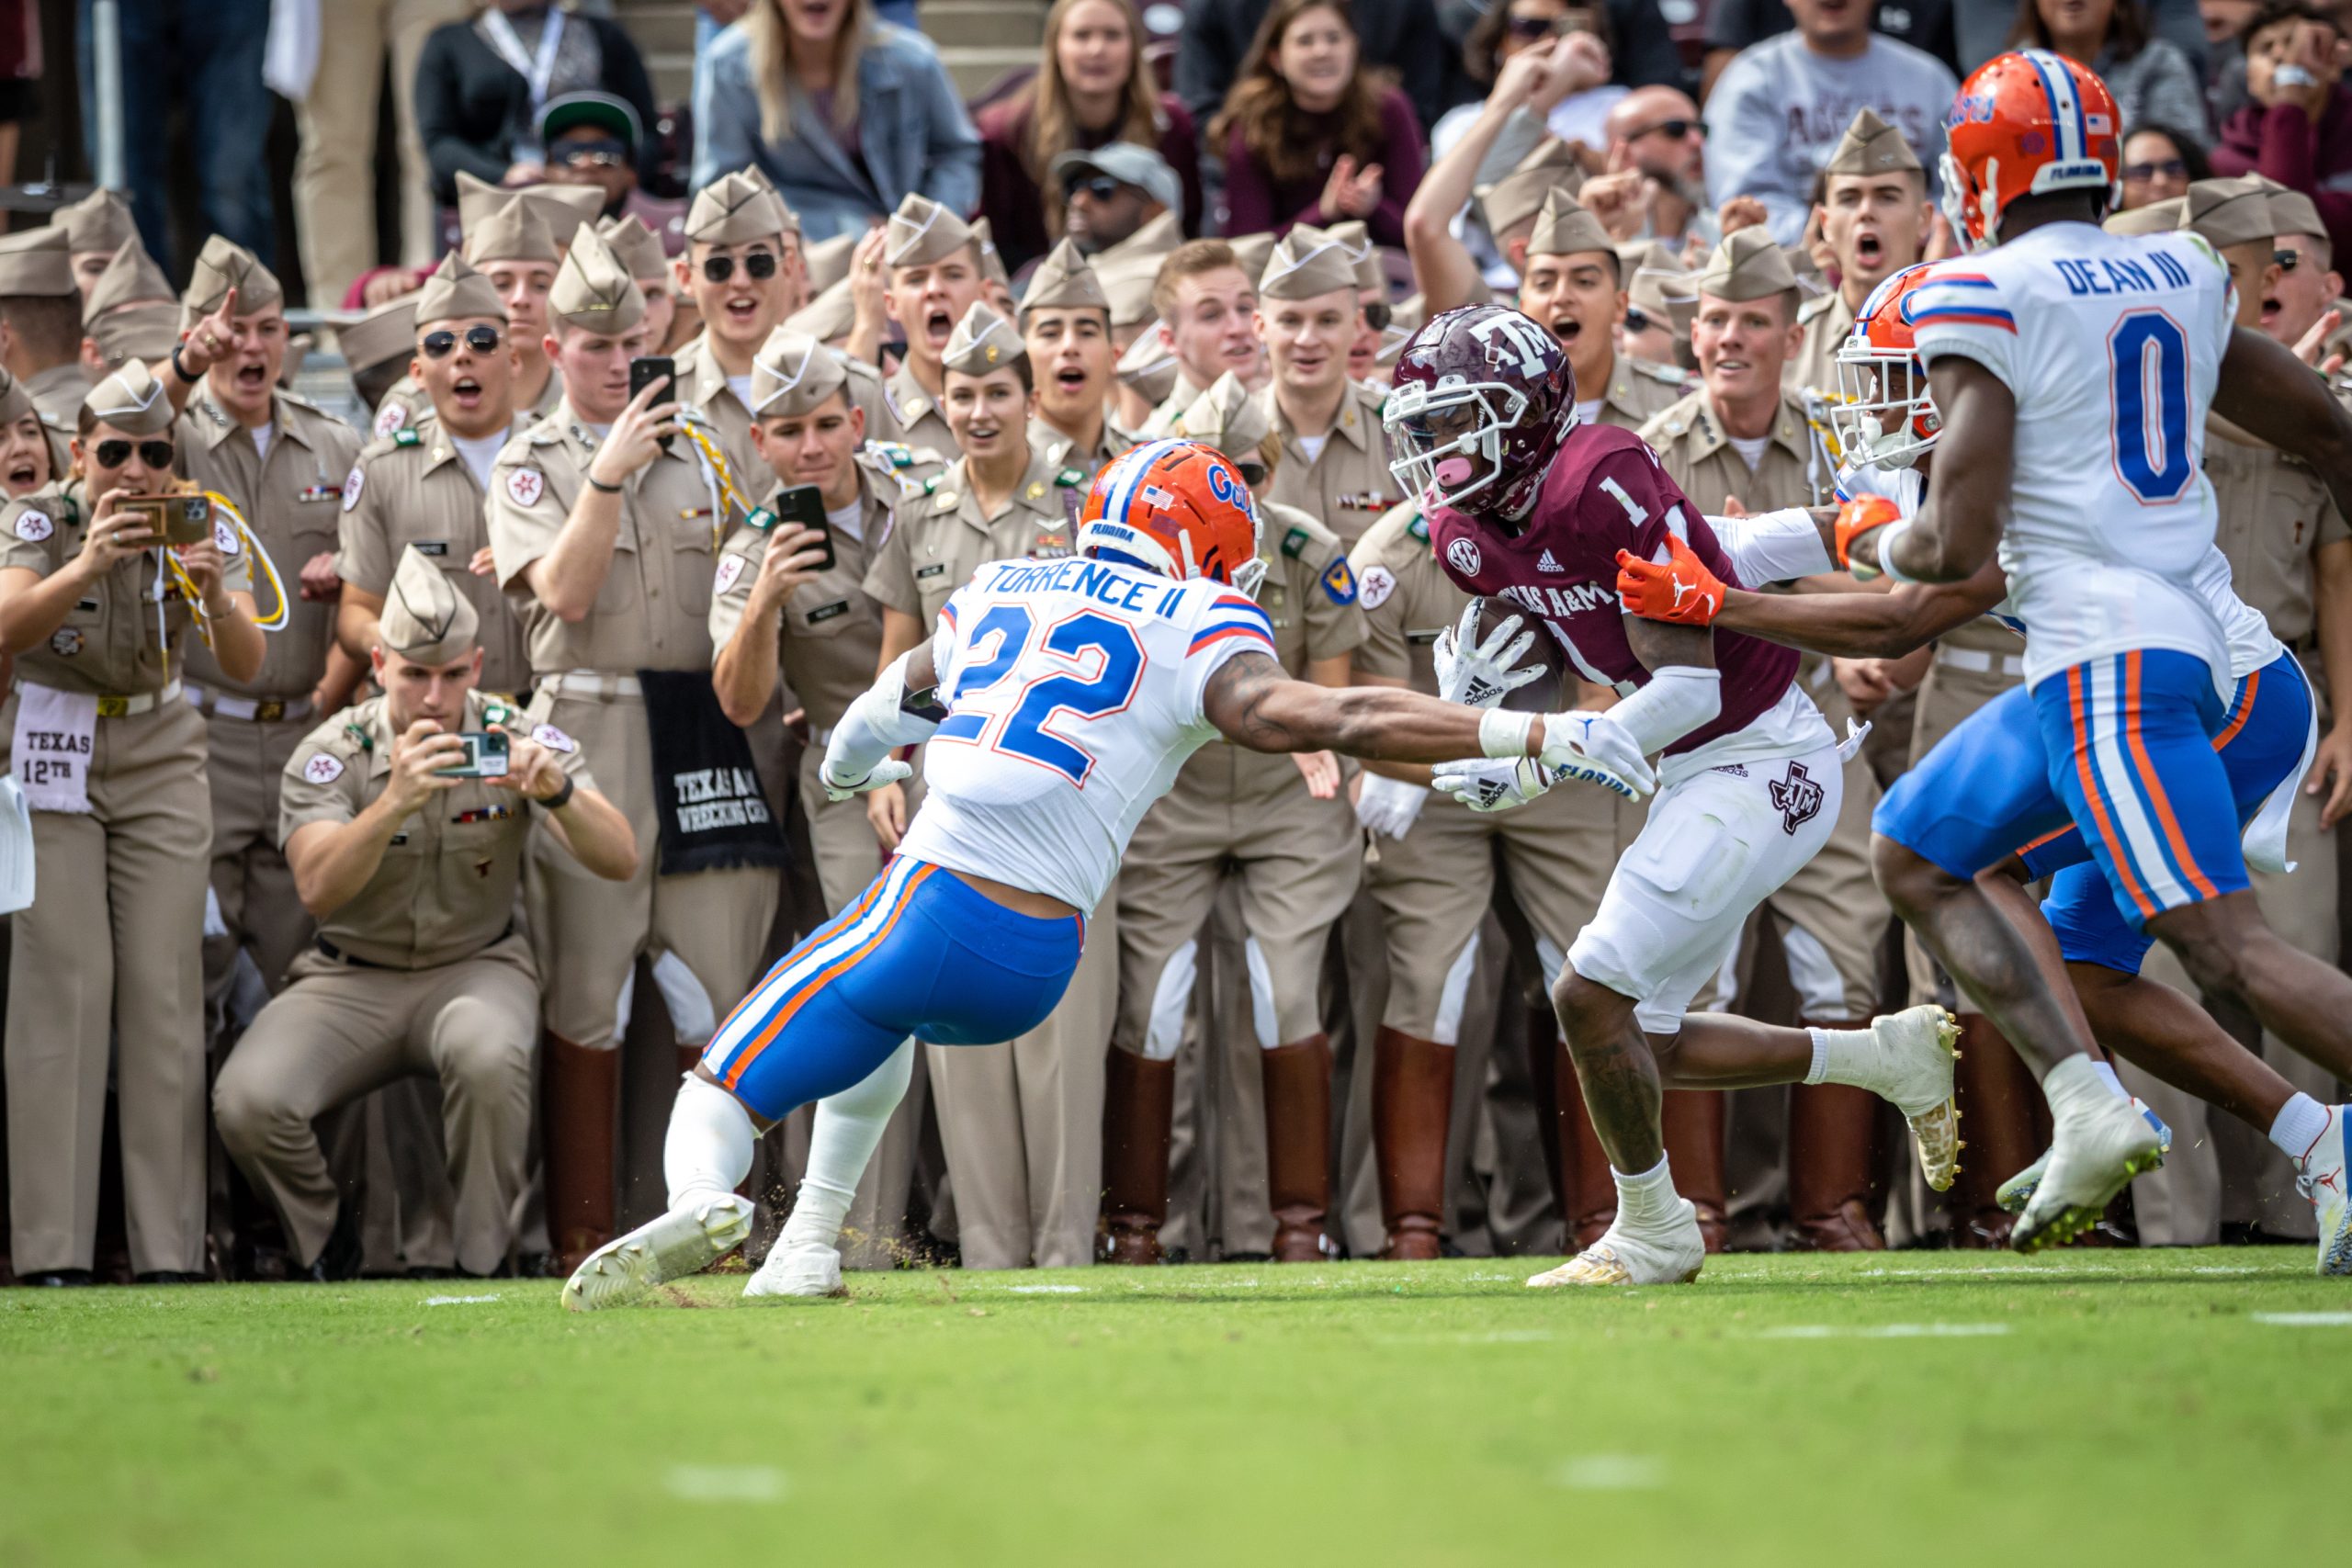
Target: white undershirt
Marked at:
480, 452
849, 520
1589, 411
742, 387
598, 431
1313, 446
1750, 449
263, 435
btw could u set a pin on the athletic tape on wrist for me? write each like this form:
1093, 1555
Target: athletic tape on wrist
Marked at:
1502, 733
1887, 536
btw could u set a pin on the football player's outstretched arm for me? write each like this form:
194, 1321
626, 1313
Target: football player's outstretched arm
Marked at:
901, 709
2265, 389
1254, 701
1844, 625
1959, 527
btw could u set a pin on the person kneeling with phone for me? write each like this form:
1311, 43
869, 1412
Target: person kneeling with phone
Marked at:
405, 819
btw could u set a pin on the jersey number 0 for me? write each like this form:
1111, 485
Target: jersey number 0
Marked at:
2148, 386
1023, 731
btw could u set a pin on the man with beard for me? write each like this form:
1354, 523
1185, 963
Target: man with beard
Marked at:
1112, 191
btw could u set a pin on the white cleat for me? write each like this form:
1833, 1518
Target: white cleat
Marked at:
2015, 1193
682, 1241
2321, 1174
2096, 1146
1917, 1048
1624, 1258
805, 1269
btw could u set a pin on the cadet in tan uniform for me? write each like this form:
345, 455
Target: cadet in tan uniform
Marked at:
1207, 303
281, 462
1066, 328
424, 488
41, 311
933, 266
1021, 1123
1285, 825
106, 969
95, 228
648, 266
742, 267
1147, 374
1874, 215
1335, 452
819, 632
608, 544
1571, 283
132, 312
418, 967
1743, 435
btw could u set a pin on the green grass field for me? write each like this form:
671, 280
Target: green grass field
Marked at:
2092, 1407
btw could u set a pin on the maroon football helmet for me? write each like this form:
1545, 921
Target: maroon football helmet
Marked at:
1481, 399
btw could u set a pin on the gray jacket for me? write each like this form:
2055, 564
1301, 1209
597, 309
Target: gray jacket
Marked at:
912, 134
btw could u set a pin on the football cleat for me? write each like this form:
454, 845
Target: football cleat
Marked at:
1916, 1049
2018, 1191
1623, 1257
682, 1241
809, 1269
2320, 1175
2097, 1148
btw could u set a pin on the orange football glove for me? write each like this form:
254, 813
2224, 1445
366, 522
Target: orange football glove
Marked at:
1682, 589
1862, 517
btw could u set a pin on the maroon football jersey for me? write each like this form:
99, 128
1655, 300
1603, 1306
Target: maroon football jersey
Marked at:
1605, 492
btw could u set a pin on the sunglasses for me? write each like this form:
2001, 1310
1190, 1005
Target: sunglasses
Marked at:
2170, 168
602, 153
1676, 129
1636, 319
1377, 315
1529, 29
1253, 474
441, 344
114, 453
1102, 187
2285, 258
758, 266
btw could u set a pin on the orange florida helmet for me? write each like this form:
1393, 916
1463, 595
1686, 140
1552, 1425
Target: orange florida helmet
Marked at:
1884, 415
2025, 123
1175, 507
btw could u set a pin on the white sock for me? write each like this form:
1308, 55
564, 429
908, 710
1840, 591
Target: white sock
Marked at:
2303, 1120
1647, 1201
1844, 1055
709, 1150
848, 1126
2074, 1085
2106, 1071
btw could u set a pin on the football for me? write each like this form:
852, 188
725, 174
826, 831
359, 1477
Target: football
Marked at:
1548, 692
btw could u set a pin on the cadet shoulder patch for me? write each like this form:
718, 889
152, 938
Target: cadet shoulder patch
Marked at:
407, 438
353, 483
729, 569
224, 538
554, 740
1375, 586
322, 769
1339, 582
499, 712
1070, 477
390, 418
525, 486
34, 527
364, 742
1295, 543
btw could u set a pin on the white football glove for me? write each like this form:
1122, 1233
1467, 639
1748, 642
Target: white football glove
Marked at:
1492, 784
1582, 739
1481, 672
1389, 805
837, 788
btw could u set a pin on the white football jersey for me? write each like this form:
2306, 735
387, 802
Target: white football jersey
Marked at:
2113, 346
1073, 691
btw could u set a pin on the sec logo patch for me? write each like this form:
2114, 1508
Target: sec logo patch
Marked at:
525, 486
351, 482
554, 740
34, 527
730, 571
1374, 586
1462, 556
322, 769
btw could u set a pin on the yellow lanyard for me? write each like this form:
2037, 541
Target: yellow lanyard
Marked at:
263, 567
718, 477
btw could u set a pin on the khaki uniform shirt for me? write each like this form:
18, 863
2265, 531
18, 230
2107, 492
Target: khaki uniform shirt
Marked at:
59, 393
1171, 409
1694, 449
1638, 391
940, 541
829, 634
703, 383
415, 487
1060, 449
1826, 319
292, 501
444, 889
1348, 486
111, 644
911, 417
653, 611
406, 403
1406, 597
2273, 513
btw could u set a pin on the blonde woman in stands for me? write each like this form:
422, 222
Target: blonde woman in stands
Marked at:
845, 113
1094, 86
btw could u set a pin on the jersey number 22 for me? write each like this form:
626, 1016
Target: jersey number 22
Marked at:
1025, 730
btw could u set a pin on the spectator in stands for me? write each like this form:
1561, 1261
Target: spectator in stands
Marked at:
1110, 192
1736, 25
2151, 78
1586, 93
1220, 35
2159, 163
2296, 127
846, 114
481, 84
1094, 86
1656, 133
1779, 109
1311, 134
1979, 25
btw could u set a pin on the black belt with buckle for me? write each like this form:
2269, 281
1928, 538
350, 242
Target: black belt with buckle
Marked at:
331, 951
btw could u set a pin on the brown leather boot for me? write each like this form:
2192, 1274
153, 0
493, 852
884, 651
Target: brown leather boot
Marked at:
1138, 1108
1412, 1100
1996, 1095
1833, 1149
1298, 1146
1588, 1198
581, 1100
1693, 1124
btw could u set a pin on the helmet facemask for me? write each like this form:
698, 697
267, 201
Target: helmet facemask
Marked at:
1875, 383
1450, 436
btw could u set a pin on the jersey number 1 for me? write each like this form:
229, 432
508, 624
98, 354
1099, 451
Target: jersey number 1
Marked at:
2148, 386
1023, 732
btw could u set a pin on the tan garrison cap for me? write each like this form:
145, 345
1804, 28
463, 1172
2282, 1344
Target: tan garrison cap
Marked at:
1356, 239
991, 259
639, 247
1250, 253
222, 266
2157, 218
1306, 262
1063, 281
828, 316
1157, 237
100, 221
131, 277
1656, 285
135, 332
457, 292
593, 292
38, 262
14, 401
513, 230
1227, 417
827, 261
792, 374
130, 399
1518, 195
383, 334
2228, 212
1565, 229
983, 341
735, 210
922, 232
1871, 146
2293, 212
424, 618
1127, 284
1149, 368
1747, 265
561, 208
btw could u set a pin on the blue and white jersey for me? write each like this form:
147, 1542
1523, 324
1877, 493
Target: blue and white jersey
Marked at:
2113, 346
1073, 691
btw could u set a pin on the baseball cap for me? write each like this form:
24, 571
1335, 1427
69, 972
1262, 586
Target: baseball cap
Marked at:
613, 115
1128, 163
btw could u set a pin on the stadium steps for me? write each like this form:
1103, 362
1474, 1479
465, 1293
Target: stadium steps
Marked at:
978, 42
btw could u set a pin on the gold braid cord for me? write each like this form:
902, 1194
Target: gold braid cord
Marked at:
731, 499
263, 567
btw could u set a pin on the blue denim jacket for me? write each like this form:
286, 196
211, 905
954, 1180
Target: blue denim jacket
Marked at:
911, 130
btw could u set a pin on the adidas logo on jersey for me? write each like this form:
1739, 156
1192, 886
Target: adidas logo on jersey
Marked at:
1546, 563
